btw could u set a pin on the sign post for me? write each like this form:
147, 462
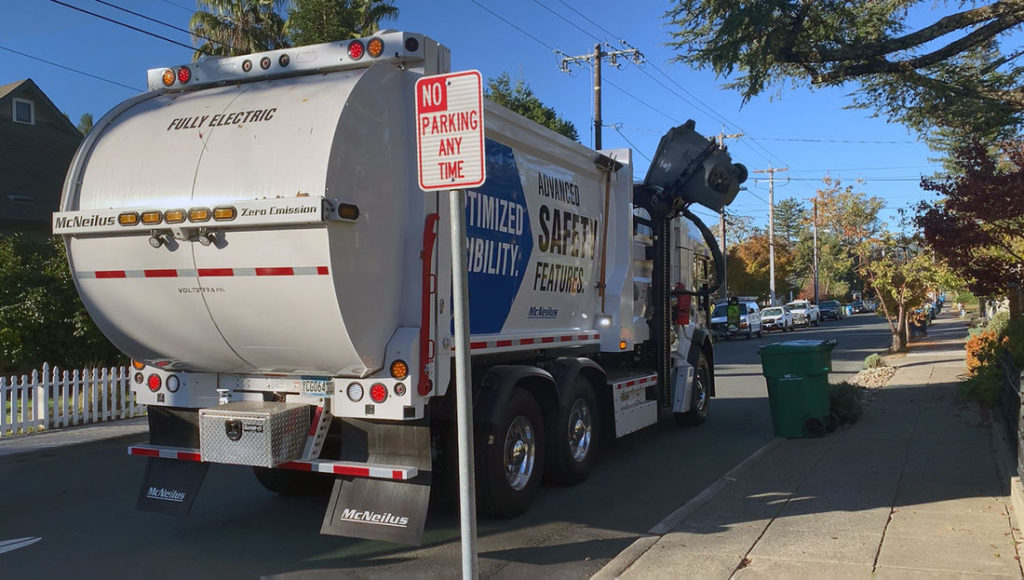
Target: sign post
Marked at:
450, 155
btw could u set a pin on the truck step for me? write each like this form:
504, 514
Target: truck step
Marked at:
349, 468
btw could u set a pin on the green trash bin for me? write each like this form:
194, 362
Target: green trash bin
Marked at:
797, 376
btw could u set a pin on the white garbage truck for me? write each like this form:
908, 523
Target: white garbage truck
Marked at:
250, 231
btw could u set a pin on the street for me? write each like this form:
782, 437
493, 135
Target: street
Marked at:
80, 500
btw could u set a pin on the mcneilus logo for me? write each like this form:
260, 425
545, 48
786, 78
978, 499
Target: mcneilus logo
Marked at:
164, 494
368, 517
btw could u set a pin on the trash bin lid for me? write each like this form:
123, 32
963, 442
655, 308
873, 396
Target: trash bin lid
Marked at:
797, 346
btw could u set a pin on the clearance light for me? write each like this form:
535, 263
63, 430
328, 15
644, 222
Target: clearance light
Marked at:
354, 392
399, 370
153, 382
168, 77
139, 378
224, 214
173, 383
347, 211
400, 390
151, 218
355, 50
284, 60
184, 74
138, 365
246, 65
265, 63
174, 216
622, 345
128, 219
199, 214
375, 47
411, 44
378, 392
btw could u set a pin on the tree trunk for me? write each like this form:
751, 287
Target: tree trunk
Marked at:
899, 335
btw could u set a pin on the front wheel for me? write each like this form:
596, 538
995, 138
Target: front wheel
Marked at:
700, 399
573, 442
509, 473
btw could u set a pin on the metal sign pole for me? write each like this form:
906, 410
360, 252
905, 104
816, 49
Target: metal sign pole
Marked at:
463, 378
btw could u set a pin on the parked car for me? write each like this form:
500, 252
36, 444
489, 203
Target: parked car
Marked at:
805, 313
831, 310
777, 318
750, 321
858, 306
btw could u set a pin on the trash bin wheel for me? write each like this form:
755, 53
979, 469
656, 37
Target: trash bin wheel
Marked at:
814, 427
832, 423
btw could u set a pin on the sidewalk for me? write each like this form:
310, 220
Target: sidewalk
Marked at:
131, 430
917, 488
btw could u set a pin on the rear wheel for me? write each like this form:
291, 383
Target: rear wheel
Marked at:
512, 464
700, 400
573, 442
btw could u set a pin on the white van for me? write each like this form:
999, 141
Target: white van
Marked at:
750, 320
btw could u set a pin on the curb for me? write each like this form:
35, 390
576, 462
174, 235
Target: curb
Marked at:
641, 545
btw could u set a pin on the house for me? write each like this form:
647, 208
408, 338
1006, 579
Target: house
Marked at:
37, 143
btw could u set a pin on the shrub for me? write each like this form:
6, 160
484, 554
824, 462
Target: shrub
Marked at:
846, 401
873, 360
982, 351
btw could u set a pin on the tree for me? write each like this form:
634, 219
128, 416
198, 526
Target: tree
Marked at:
790, 220
315, 21
42, 319
85, 124
977, 225
900, 273
948, 73
518, 97
236, 27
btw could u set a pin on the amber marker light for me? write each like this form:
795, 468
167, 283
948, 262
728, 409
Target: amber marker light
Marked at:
375, 47
347, 211
128, 218
224, 214
168, 77
174, 216
199, 214
399, 370
622, 345
151, 218
138, 365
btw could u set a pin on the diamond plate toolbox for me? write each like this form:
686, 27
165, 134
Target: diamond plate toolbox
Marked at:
257, 433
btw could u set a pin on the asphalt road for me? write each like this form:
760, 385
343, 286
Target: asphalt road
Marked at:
80, 501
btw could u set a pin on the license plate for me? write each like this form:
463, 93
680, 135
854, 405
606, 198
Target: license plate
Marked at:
317, 386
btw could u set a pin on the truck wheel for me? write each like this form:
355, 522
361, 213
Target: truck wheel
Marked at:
287, 482
700, 402
573, 442
509, 475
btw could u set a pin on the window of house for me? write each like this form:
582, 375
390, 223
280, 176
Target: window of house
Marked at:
24, 111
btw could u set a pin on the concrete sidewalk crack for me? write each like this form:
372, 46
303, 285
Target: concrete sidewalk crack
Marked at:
899, 486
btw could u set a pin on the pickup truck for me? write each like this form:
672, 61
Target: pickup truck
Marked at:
805, 313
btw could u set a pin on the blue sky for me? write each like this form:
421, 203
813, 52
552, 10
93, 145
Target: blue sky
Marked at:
807, 131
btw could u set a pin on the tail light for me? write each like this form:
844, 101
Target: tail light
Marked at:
356, 50
378, 393
184, 74
153, 382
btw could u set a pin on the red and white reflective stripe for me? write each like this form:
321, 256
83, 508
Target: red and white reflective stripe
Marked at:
560, 339
179, 453
393, 472
637, 382
206, 272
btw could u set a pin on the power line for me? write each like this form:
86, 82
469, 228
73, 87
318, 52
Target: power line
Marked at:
506, 21
74, 70
154, 20
119, 23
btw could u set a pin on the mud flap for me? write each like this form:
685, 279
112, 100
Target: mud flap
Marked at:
170, 486
381, 509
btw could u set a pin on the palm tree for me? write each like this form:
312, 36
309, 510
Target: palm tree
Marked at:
235, 27
315, 21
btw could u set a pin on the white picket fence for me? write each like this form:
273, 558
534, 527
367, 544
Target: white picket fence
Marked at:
55, 398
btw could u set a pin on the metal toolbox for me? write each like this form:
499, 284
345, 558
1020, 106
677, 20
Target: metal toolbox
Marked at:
258, 433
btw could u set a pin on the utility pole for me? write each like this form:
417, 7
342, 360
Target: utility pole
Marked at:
594, 59
815, 250
771, 171
724, 288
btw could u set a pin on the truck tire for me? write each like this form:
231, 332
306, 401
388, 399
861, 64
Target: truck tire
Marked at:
287, 482
573, 442
700, 402
509, 472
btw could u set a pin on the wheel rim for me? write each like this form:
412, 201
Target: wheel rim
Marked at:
581, 430
520, 452
700, 393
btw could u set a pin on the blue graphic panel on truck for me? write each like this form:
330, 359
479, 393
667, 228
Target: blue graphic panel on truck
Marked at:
500, 241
